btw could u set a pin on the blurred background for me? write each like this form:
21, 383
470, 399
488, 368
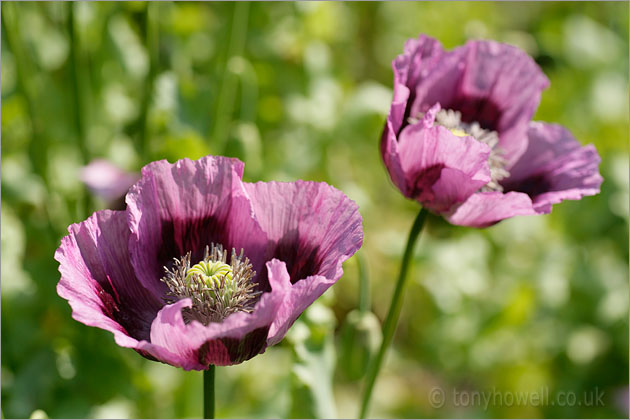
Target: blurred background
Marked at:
301, 90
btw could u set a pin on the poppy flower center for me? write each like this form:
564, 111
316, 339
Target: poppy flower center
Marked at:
452, 120
217, 289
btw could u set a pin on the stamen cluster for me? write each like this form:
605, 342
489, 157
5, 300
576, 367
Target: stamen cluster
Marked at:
217, 289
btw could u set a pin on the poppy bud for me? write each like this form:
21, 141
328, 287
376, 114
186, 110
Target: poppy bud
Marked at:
360, 338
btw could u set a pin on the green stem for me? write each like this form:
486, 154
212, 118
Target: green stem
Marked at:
79, 104
151, 35
208, 393
37, 148
249, 91
389, 327
225, 101
364, 283
76, 88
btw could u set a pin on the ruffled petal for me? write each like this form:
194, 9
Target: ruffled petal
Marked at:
99, 282
299, 297
495, 84
409, 68
555, 167
487, 208
440, 169
239, 337
391, 159
311, 226
419, 55
185, 206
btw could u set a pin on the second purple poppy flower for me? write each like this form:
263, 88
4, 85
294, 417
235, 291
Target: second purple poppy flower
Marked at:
459, 137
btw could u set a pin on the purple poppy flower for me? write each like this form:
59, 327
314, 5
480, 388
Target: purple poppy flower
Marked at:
459, 137
202, 268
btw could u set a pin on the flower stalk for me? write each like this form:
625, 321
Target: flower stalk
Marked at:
208, 393
394, 312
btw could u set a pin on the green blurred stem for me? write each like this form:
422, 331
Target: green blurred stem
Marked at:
249, 91
225, 102
151, 32
389, 327
76, 88
79, 105
208, 393
364, 283
37, 148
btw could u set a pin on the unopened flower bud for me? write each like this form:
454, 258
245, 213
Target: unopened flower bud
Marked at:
360, 338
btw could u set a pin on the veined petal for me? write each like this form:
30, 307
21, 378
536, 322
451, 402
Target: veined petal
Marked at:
311, 226
487, 208
99, 282
555, 167
391, 159
441, 169
419, 56
299, 297
312, 229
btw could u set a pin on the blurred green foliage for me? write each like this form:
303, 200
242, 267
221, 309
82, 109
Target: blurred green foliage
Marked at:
301, 90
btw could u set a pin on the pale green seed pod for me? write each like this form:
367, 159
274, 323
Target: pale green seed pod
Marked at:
210, 272
360, 339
